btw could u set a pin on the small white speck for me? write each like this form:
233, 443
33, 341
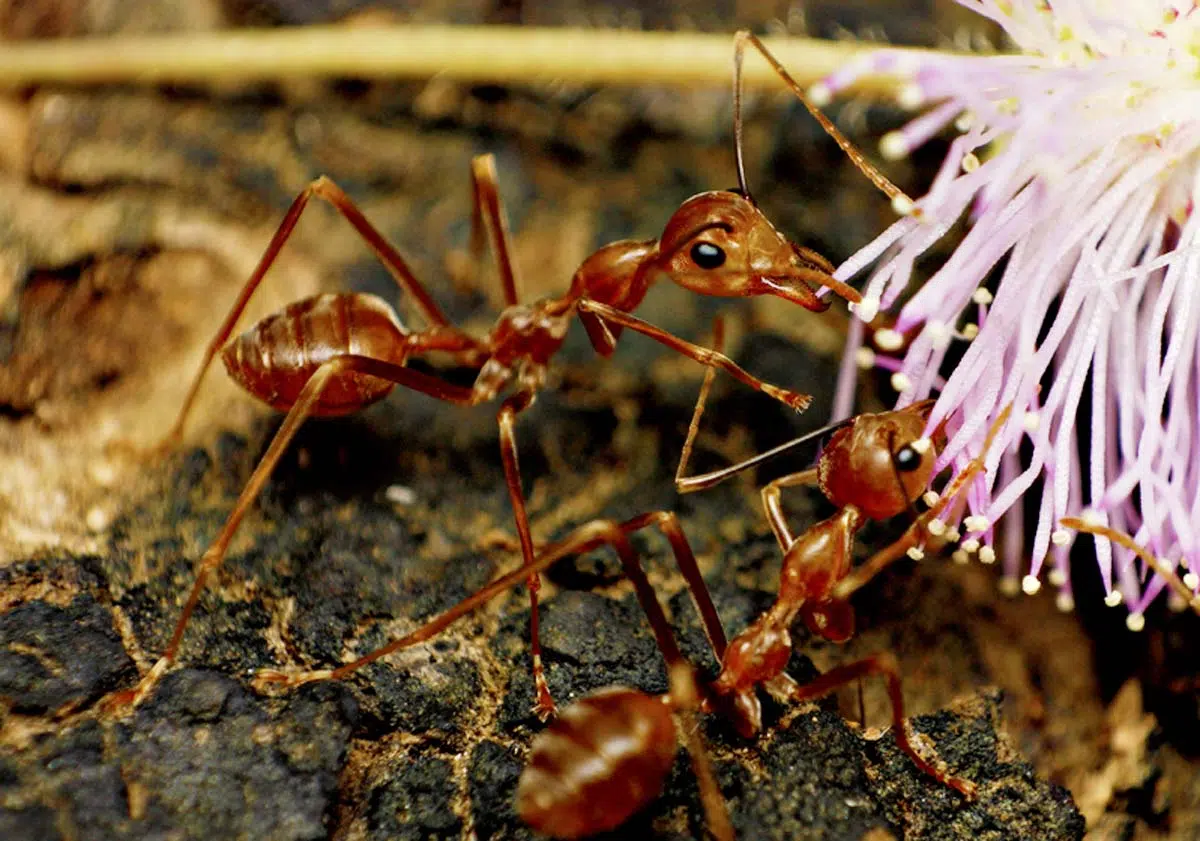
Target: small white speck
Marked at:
1030, 585
970, 545
1091, 517
903, 205
1057, 577
1135, 622
981, 296
970, 162
952, 535
936, 527
959, 556
1191, 580
819, 94
1113, 598
931, 498
97, 519
864, 357
922, 446
1060, 537
964, 122
987, 555
892, 146
400, 495
1031, 421
1064, 601
1009, 586
970, 331
916, 553
976, 523
888, 339
910, 96
901, 382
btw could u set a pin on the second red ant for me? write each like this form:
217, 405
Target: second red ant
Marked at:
608, 754
335, 354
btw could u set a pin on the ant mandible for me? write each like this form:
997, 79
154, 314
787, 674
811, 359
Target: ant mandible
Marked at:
334, 354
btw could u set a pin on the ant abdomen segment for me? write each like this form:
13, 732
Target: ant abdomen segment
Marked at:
603, 759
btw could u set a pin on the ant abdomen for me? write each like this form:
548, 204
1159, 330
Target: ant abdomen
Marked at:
276, 357
603, 759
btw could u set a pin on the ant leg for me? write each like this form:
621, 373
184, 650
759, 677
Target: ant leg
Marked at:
772, 500
685, 698
882, 664
703, 355
304, 406
1157, 564
544, 704
668, 523
489, 211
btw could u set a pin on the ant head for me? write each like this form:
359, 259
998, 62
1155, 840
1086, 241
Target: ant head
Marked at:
720, 243
878, 464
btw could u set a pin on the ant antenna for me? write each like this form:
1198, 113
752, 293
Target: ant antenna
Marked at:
899, 197
739, 47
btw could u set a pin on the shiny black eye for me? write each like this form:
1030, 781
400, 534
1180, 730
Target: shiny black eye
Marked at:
707, 256
907, 459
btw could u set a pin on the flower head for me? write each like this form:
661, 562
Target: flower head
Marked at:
1075, 292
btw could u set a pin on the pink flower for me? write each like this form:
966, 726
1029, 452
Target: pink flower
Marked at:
1075, 293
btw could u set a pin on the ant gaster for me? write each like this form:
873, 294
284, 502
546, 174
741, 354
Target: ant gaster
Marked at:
334, 354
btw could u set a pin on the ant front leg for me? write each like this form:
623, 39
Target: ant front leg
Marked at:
703, 355
304, 406
489, 214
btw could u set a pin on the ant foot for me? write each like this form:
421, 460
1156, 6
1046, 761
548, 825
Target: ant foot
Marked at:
128, 699
545, 709
795, 399
266, 680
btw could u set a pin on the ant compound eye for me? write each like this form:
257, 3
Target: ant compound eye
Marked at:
907, 459
707, 256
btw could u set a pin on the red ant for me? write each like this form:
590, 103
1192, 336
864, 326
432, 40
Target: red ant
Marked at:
334, 354
608, 754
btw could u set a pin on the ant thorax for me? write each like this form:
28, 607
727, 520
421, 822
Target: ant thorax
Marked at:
529, 332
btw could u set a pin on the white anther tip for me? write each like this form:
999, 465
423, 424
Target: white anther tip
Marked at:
1191, 580
903, 205
970, 545
935, 527
970, 162
1113, 598
1060, 537
866, 309
892, 146
910, 96
1010, 586
819, 94
977, 523
970, 331
1091, 517
959, 556
931, 498
987, 555
1057, 577
864, 357
888, 339
916, 553
1031, 421
981, 296
901, 381
1030, 585
1065, 602
1135, 622
922, 446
